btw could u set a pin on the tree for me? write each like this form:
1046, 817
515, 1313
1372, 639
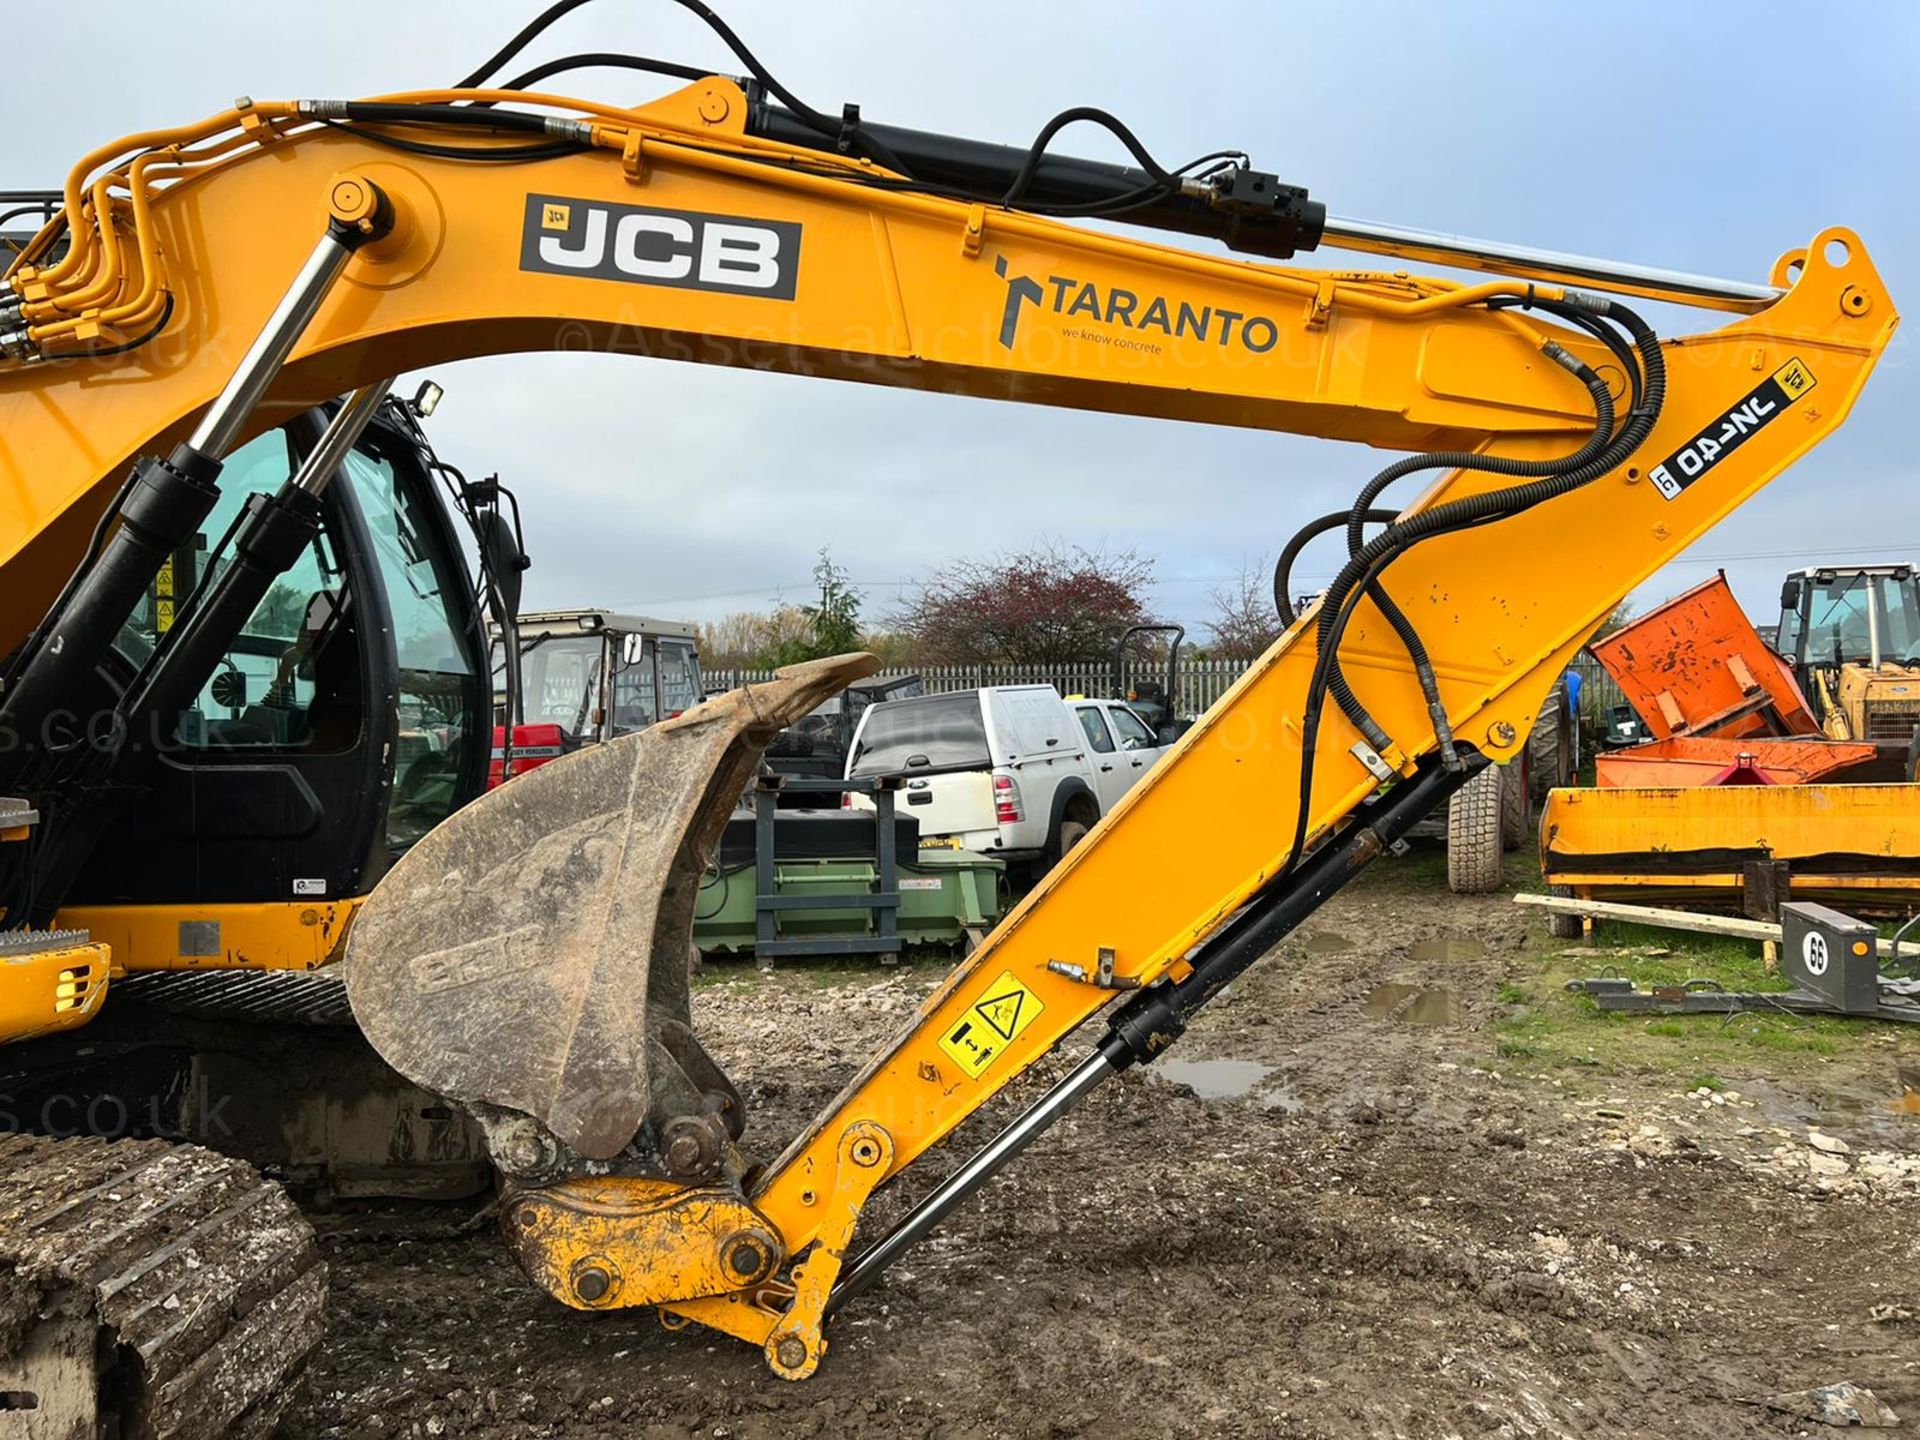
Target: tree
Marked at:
1046, 605
748, 639
832, 626
1244, 623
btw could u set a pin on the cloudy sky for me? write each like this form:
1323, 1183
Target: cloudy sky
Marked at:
1696, 136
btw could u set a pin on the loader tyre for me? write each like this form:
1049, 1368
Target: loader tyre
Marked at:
1516, 804
150, 1289
1564, 927
1474, 834
1550, 748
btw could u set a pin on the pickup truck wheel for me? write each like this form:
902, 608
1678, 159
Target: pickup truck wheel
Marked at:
1474, 834
1516, 803
1072, 832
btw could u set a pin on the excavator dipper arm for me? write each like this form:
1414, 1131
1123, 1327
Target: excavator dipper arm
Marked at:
1571, 455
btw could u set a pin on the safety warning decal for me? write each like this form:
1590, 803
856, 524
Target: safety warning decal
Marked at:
1720, 439
996, 1019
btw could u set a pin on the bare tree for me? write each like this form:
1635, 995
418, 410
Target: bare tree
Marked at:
1244, 623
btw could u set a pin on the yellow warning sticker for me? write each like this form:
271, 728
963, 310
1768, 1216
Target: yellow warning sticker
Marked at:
995, 1020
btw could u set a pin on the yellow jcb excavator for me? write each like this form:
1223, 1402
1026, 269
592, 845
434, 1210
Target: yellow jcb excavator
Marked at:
525, 959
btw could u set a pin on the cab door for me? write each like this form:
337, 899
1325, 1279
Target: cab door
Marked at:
346, 718
1110, 770
1139, 748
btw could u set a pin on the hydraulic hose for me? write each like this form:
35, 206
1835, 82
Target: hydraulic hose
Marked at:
1304, 536
1374, 556
1550, 472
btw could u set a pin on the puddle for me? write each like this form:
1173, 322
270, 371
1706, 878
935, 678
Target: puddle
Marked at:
1447, 950
1888, 1117
1228, 1080
1213, 1079
1413, 1004
1327, 943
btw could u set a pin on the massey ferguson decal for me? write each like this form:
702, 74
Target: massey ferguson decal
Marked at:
643, 246
1761, 407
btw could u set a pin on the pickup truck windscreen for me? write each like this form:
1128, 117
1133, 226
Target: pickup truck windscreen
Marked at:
927, 733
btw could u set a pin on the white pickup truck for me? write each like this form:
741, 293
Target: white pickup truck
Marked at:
1011, 771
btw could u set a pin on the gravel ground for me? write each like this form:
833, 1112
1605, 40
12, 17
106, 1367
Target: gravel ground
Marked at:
1330, 1213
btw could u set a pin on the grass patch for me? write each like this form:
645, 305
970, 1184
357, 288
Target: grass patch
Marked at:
1555, 1031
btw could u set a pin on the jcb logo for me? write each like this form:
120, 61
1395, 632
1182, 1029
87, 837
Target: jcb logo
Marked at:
679, 248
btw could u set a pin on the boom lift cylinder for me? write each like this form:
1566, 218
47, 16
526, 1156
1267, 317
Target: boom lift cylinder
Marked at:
164, 503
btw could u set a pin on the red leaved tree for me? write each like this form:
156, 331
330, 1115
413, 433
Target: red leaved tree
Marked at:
1047, 605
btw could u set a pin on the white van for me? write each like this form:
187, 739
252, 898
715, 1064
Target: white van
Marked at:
1012, 771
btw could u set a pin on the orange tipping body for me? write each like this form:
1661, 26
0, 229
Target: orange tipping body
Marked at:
1696, 666
1683, 761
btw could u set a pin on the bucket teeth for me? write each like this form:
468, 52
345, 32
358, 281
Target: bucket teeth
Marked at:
532, 952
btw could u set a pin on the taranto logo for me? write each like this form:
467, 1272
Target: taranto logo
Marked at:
1116, 309
678, 248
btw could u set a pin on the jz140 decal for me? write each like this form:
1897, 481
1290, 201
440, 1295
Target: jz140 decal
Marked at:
1729, 432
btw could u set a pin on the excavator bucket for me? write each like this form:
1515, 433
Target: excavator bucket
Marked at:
532, 952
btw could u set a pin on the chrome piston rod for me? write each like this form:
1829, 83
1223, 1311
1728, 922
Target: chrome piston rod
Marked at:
260, 367
981, 1167
1528, 263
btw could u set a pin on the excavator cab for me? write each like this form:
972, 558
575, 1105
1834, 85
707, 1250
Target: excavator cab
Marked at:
347, 717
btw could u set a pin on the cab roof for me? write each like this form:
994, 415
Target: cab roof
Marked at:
587, 621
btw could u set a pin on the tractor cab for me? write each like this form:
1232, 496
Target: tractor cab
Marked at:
584, 676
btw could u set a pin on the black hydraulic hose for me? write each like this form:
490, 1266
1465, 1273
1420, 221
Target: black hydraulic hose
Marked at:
603, 60
529, 32
1594, 462
822, 124
1380, 552
1164, 179
1395, 617
390, 112
1304, 536
487, 154
1403, 627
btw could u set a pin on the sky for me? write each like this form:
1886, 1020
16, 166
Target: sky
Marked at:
1707, 137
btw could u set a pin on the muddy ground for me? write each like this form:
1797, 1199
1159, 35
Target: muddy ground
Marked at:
1461, 1207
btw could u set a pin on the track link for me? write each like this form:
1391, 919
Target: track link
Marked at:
149, 1289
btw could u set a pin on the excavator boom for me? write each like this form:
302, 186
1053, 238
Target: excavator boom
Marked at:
233, 272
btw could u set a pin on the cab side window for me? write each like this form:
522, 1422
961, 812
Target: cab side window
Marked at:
291, 661
679, 677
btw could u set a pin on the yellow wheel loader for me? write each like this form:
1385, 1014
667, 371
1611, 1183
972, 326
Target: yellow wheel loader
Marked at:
525, 958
